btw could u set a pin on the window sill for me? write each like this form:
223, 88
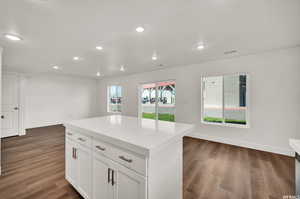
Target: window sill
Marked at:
227, 125
111, 112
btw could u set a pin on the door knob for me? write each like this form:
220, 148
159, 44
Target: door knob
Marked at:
2, 116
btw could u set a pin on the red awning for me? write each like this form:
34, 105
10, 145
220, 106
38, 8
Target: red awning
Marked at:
158, 84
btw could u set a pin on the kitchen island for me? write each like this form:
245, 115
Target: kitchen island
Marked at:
120, 157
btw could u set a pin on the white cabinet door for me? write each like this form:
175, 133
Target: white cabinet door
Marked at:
129, 185
84, 163
10, 105
102, 173
71, 163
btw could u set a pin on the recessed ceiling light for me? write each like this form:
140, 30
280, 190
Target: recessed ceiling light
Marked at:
98, 74
140, 29
122, 68
154, 57
55, 67
75, 58
99, 48
12, 37
200, 47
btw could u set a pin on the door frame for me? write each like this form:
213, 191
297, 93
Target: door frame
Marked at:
21, 100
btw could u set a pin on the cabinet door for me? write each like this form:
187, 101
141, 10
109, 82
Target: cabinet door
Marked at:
129, 185
84, 171
102, 175
71, 163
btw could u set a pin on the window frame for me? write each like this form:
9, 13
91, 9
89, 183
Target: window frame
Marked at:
247, 116
140, 86
108, 99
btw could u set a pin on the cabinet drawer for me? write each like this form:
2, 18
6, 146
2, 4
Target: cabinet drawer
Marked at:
84, 140
71, 135
130, 160
102, 148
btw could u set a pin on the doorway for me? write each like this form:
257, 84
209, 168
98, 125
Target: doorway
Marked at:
10, 105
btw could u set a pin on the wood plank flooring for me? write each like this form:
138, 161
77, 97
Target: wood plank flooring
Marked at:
33, 168
214, 170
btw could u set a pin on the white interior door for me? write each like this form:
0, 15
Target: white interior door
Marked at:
10, 105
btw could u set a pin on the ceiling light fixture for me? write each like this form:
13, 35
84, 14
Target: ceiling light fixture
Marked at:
75, 58
98, 74
55, 67
140, 29
99, 48
12, 37
154, 57
200, 47
122, 68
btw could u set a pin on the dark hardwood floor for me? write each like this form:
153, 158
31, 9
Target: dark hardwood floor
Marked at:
33, 168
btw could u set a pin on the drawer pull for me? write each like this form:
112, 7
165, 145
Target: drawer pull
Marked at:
100, 148
70, 133
125, 159
113, 178
108, 175
81, 139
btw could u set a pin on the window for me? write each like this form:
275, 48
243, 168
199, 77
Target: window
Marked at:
114, 94
158, 101
224, 100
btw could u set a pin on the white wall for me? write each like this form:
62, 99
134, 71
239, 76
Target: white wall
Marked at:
52, 99
274, 97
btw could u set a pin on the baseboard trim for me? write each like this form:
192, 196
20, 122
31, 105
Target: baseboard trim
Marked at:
44, 125
260, 147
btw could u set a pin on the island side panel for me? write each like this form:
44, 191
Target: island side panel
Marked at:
165, 177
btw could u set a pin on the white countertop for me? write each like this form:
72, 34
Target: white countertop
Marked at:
145, 134
295, 144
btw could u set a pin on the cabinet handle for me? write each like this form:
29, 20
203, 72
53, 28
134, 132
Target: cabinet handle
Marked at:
70, 133
75, 153
113, 178
81, 139
108, 175
125, 159
100, 148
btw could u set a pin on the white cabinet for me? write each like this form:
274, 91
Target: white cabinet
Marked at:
129, 185
79, 167
84, 168
114, 181
99, 170
71, 165
102, 188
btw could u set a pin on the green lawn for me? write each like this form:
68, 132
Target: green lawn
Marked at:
220, 120
163, 117
213, 119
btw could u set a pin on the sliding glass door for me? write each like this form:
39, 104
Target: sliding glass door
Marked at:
158, 101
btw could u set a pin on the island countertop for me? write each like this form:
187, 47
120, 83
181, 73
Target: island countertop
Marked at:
144, 135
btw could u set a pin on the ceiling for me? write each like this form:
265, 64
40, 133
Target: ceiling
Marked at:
54, 31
